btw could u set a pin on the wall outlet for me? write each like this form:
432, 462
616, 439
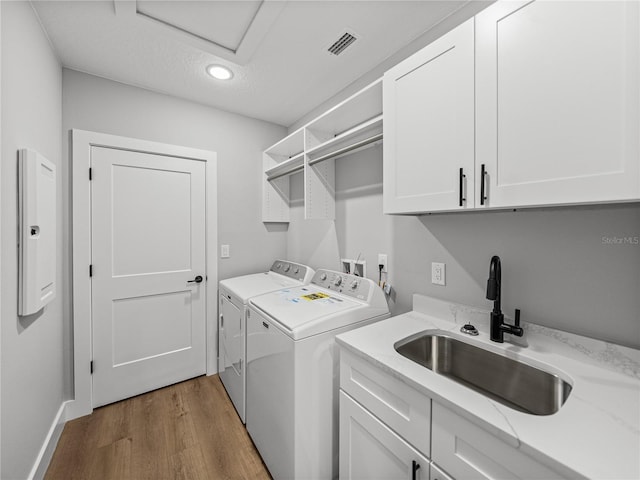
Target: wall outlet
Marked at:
438, 273
382, 260
225, 251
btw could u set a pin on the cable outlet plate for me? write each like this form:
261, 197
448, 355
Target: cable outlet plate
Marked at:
360, 268
438, 273
357, 268
347, 265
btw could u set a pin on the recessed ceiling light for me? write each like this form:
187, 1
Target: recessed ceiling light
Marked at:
219, 72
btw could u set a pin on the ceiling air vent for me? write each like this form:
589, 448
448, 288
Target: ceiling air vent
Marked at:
342, 43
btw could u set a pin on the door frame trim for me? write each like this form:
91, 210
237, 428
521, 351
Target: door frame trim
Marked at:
81, 143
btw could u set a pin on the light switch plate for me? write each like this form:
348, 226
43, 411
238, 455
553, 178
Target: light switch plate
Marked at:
224, 251
438, 273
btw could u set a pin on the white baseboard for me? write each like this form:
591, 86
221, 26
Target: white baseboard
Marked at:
49, 446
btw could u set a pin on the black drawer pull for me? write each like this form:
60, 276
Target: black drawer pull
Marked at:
461, 178
415, 466
265, 324
483, 173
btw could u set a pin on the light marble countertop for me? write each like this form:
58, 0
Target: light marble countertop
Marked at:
595, 434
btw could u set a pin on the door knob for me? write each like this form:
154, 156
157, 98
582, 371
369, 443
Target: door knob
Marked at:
198, 279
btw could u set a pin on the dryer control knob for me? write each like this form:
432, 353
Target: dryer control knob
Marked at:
287, 268
337, 281
279, 266
296, 270
354, 284
323, 277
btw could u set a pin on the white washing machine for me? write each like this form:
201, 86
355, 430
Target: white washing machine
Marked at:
234, 294
293, 370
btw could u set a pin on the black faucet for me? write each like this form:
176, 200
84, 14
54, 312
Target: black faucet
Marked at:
498, 327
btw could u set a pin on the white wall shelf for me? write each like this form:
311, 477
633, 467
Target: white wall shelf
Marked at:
290, 166
352, 125
355, 139
289, 146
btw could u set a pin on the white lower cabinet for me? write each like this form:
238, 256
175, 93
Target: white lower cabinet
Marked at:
370, 450
391, 431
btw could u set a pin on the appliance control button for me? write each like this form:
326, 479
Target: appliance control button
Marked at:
287, 268
337, 281
323, 277
354, 284
296, 270
279, 266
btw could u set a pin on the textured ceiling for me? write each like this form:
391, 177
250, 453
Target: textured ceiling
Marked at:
277, 50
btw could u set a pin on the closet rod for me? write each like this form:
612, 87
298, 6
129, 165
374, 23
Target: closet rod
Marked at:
348, 149
297, 169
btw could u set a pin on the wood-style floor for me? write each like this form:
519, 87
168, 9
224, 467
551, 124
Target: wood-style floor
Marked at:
186, 431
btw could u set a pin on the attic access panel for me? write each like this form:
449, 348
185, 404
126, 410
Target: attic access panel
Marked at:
231, 30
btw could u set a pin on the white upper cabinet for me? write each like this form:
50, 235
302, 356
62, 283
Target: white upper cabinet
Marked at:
557, 102
428, 105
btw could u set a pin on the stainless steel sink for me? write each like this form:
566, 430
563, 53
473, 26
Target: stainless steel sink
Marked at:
510, 382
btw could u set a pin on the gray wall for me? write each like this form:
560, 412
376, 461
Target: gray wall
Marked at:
97, 104
556, 267
32, 347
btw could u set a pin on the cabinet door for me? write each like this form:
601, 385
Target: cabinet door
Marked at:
466, 451
428, 104
557, 101
369, 450
435, 473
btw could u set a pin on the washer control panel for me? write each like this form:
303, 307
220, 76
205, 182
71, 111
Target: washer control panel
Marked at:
344, 283
290, 269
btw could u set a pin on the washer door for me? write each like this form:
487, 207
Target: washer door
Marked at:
270, 389
232, 352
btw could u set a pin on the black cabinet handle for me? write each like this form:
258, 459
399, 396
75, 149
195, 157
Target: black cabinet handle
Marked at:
198, 279
265, 324
415, 466
461, 177
483, 173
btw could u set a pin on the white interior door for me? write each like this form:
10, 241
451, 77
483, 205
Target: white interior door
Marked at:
148, 245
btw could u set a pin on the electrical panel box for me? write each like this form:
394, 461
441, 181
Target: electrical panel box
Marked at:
37, 247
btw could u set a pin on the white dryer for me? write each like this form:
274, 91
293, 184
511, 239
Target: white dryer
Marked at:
292, 370
234, 295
